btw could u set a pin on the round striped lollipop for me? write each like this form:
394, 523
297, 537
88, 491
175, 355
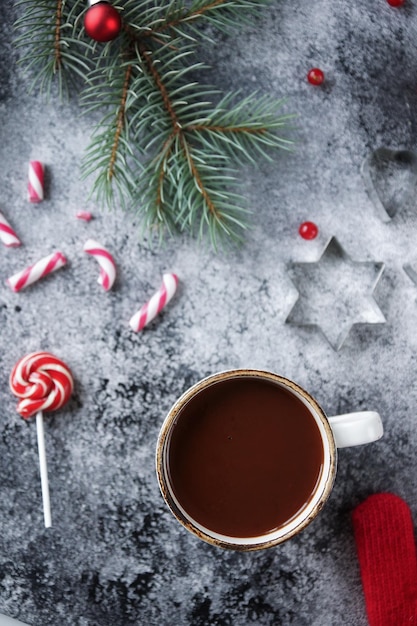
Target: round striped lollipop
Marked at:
43, 383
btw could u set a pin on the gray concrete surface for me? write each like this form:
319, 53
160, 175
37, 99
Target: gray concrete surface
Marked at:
114, 555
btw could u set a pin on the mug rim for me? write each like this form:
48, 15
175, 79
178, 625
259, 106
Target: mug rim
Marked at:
303, 518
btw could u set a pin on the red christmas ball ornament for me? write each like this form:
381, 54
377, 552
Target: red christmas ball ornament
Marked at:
102, 22
315, 76
308, 230
396, 3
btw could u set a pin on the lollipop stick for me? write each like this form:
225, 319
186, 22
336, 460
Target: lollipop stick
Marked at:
43, 469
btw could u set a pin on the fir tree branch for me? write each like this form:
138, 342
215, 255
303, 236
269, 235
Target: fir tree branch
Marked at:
120, 122
150, 65
162, 168
185, 15
244, 128
210, 210
50, 49
57, 48
111, 152
179, 16
145, 82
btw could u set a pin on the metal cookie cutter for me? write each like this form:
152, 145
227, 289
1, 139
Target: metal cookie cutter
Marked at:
390, 178
411, 270
335, 293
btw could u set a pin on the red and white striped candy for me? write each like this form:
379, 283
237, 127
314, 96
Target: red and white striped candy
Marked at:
84, 215
38, 270
106, 262
160, 299
36, 181
7, 234
42, 381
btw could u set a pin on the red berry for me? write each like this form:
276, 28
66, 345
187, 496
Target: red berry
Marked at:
308, 230
315, 76
396, 3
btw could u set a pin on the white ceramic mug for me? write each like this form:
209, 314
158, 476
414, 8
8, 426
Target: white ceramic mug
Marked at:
333, 432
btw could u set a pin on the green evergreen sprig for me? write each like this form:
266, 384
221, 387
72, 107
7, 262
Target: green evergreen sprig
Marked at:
49, 43
167, 146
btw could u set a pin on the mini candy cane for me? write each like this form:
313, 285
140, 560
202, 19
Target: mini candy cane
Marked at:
84, 215
36, 271
7, 234
151, 309
106, 262
43, 383
36, 181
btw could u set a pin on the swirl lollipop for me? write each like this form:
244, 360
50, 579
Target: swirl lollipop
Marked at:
43, 383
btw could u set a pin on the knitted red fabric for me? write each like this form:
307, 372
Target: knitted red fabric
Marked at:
384, 537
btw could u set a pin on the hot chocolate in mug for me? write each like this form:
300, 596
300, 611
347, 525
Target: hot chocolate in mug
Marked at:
246, 458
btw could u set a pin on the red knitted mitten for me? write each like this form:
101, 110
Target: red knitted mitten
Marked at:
384, 537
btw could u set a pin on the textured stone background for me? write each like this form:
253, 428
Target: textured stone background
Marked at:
114, 555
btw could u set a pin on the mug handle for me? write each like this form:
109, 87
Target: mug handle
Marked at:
354, 429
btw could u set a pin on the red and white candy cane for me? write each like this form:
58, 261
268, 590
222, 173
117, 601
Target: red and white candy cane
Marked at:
105, 260
43, 383
38, 270
36, 181
86, 216
160, 299
7, 234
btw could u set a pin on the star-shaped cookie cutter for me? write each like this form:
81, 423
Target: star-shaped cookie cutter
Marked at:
335, 293
411, 270
390, 178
